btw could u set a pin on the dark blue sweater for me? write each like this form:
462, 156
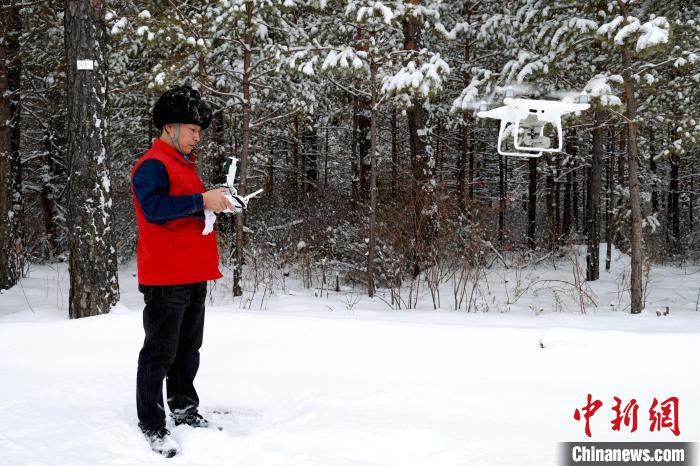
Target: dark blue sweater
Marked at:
151, 186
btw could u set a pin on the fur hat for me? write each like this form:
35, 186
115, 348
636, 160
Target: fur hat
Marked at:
181, 104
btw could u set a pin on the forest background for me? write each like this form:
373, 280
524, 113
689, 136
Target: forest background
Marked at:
358, 119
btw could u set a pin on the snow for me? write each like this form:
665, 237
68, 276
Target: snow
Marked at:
367, 12
467, 99
607, 28
385, 11
422, 78
651, 222
680, 62
581, 25
118, 26
159, 79
105, 183
308, 68
342, 380
654, 32
599, 88
340, 58
650, 34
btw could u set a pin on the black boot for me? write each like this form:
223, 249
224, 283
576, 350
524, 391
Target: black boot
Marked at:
161, 442
191, 418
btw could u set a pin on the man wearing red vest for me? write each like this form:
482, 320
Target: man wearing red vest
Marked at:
174, 262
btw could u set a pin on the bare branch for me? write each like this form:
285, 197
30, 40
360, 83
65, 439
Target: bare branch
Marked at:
352, 91
265, 121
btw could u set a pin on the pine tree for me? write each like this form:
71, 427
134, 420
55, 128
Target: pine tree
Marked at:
12, 253
93, 261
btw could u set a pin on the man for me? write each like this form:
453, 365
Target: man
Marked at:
174, 262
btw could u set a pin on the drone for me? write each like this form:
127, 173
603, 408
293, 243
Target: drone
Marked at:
526, 119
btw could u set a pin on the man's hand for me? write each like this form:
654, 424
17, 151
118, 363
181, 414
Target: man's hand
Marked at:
215, 200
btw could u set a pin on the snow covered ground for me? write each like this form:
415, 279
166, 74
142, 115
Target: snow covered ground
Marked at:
323, 381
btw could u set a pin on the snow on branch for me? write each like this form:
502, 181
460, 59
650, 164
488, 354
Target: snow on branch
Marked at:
654, 32
468, 97
372, 10
601, 91
344, 58
574, 25
118, 26
413, 78
650, 34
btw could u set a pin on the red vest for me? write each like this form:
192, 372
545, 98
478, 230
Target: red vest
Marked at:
175, 252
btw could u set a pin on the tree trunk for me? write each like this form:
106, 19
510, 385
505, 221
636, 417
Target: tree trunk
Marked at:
11, 201
218, 155
93, 260
297, 157
422, 157
574, 195
593, 213
566, 217
532, 204
354, 156
364, 123
326, 148
270, 182
310, 157
609, 199
14, 75
552, 203
619, 201
621, 160
245, 148
557, 202
303, 153
691, 199
48, 201
373, 181
466, 154
652, 167
394, 156
203, 151
463, 157
439, 150
501, 199
552, 219
637, 298
673, 205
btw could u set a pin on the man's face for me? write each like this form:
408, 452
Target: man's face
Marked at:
189, 135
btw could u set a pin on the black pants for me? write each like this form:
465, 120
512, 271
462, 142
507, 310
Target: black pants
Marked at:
174, 322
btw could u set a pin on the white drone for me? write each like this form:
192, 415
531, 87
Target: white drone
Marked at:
531, 116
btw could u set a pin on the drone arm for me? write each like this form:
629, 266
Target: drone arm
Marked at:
561, 135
